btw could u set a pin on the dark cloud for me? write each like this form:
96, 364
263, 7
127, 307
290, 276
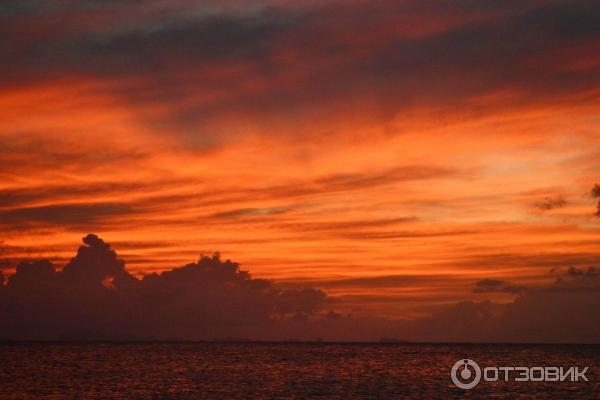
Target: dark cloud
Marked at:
260, 63
138, 44
496, 286
550, 203
396, 74
565, 311
15, 7
94, 296
72, 216
573, 279
596, 195
574, 272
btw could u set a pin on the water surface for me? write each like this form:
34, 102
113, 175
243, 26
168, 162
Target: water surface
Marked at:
47, 371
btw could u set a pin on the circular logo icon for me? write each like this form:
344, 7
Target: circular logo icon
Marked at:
465, 374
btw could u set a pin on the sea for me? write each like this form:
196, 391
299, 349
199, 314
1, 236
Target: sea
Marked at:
290, 370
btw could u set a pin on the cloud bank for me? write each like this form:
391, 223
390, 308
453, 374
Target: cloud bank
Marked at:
564, 311
94, 297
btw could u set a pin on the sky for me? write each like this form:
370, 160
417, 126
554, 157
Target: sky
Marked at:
399, 158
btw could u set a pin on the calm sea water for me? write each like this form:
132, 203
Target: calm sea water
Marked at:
279, 371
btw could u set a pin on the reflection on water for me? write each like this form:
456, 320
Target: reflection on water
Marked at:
278, 371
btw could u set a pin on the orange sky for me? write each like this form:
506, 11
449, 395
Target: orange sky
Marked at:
391, 154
